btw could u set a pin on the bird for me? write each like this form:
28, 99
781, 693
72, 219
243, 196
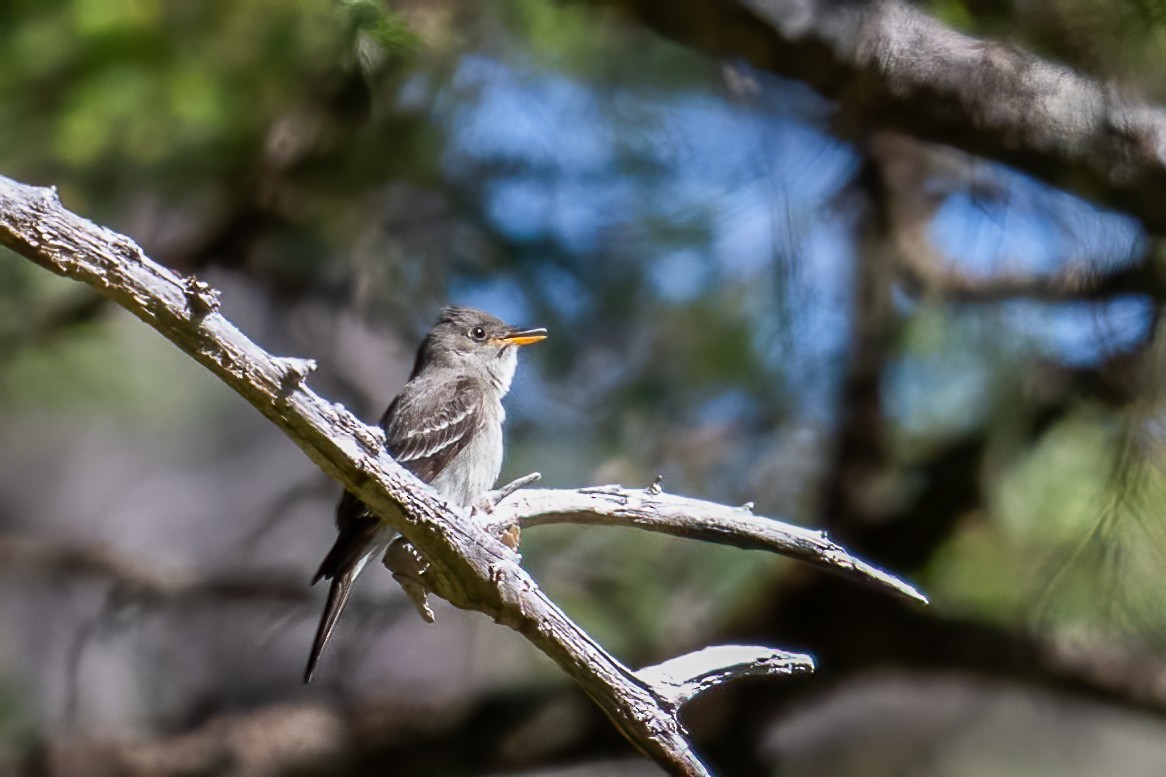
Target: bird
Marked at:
445, 427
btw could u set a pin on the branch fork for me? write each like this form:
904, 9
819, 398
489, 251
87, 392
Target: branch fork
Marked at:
468, 562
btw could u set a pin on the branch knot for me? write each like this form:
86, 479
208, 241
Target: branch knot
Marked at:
295, 372
201, 298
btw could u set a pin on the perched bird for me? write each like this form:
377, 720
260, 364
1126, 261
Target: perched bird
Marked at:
445, 427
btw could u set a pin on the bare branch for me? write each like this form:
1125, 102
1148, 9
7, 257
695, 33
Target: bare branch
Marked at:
695, 519
467, 565
684, 677
498, 494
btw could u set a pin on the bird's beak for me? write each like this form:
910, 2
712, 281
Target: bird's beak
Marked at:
522, 336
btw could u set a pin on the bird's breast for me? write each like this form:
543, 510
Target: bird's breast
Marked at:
475, 469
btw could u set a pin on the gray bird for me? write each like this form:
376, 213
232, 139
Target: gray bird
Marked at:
445, 427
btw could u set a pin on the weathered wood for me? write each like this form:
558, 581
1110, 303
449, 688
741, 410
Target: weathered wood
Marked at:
468, 565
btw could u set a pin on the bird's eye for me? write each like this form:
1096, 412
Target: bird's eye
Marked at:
478, 333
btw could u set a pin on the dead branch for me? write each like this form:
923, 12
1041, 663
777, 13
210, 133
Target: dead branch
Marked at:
468, 566
653, 510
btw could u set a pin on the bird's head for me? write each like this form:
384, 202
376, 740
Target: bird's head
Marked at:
475, 342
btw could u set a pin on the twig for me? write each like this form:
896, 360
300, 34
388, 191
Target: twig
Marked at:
691, 518
681, 679
498, 494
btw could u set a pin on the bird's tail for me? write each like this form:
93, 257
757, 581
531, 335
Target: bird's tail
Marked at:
338, 594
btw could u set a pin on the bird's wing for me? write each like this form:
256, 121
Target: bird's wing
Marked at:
426, 429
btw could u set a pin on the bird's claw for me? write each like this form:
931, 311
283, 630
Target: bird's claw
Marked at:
408, 568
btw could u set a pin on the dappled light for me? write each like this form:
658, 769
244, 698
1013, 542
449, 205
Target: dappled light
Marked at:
908, 302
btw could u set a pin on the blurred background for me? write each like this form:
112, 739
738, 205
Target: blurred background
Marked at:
922, 351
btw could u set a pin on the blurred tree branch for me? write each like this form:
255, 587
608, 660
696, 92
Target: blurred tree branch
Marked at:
467, 565
906, 168
890, 65
132, 579
338, 738
850, 491
906, 533
274, 740
1075, 284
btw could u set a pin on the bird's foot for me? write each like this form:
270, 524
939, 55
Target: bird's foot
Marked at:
511, 536
408, 568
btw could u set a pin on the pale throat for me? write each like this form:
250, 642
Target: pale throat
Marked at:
499, 370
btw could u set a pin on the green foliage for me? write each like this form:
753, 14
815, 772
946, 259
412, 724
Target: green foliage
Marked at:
110, 368
1073, 544
342, 160
566, 37
172, 96
387, 29
17, 729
